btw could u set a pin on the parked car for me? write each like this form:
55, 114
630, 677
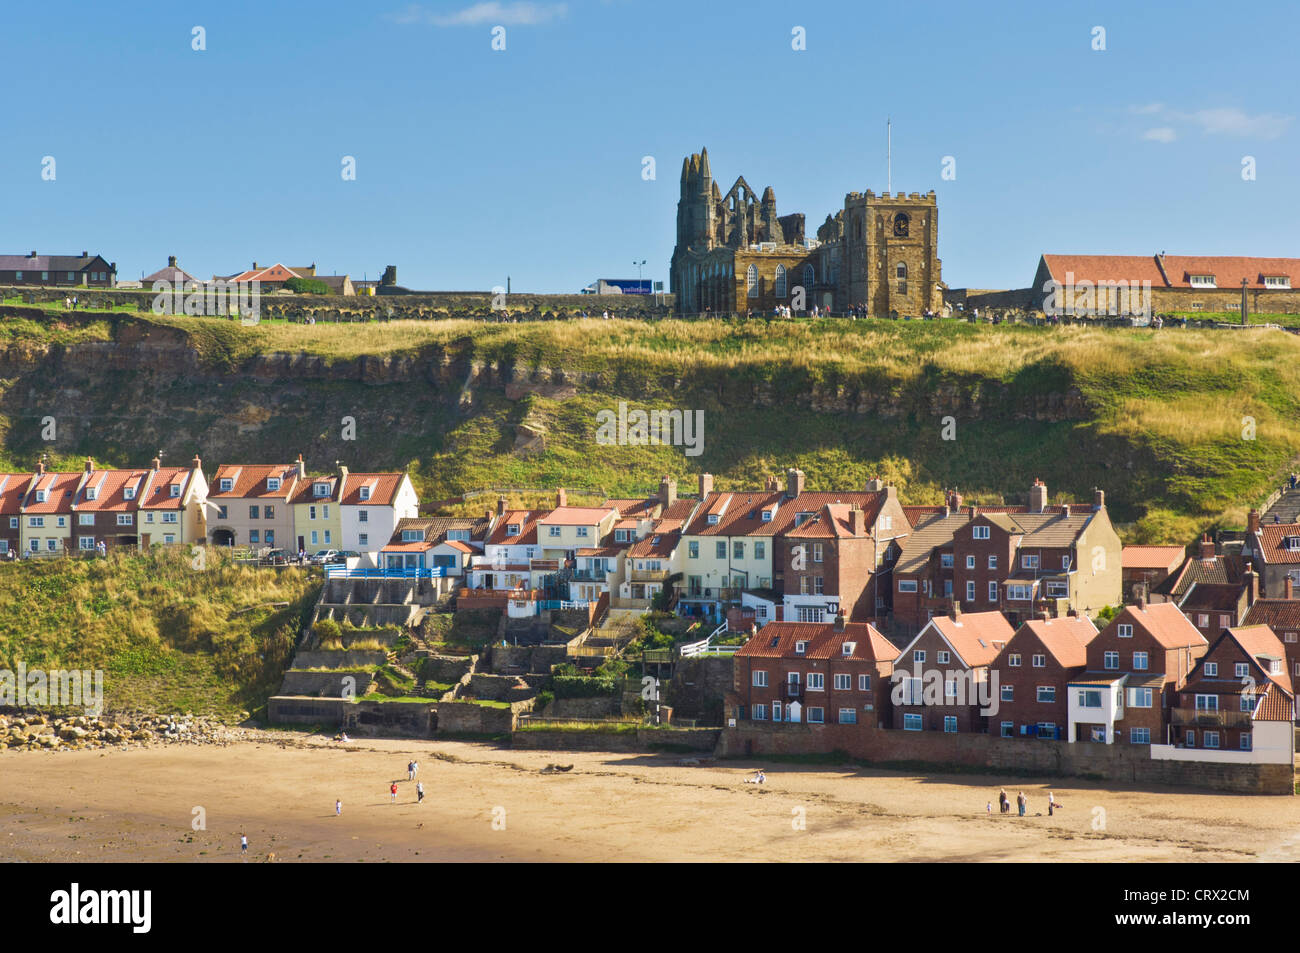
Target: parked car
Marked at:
323, 556
275, 557
345, 554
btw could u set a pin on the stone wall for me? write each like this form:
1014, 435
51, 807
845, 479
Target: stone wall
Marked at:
602, 706
306, 711
520, 659
346, 659
466, 718
448, 669
325, 684
401, 719
1125, 763
703, 740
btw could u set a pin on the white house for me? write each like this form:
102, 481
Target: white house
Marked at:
370, 506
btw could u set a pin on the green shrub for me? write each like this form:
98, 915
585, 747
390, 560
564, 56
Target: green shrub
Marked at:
583, 686
306, 286
326, 630
544, 698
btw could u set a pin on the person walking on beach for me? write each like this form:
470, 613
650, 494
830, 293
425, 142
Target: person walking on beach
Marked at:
1003, 805
243, 844
410, 770
393, 791
338, 808
415, 769
1022, 802
419, 792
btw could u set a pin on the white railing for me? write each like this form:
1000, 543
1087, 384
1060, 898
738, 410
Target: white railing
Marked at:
706, 646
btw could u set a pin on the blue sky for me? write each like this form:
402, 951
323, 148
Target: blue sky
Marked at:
474, 164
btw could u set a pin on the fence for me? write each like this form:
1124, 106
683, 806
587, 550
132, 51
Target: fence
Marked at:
342, 572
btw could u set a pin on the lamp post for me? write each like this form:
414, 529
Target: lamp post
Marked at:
639, 265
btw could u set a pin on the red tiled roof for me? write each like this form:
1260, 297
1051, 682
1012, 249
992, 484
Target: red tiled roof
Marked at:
1152, 557
527, 535
304, 492
158, 496
1130, 268
1228, 271
250, 481
740, 514
655, 546
276, 272
823, 641
1275, 613
1066, 639
1272, 543
13, 486
61, 487
1275, 705
110, 486
976, 637
1259, 640
383, 488
1163, 621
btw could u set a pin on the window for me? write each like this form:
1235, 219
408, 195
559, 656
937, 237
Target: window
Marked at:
36, 521
268, 512
1110, 660
980, 532
816, 682
321, 489
776, 711
85, 519
1245, 742
760, 550
737, 549
169, 538
253, 512
412, 535
1247, 701
1207, 702
864, 683
620, 536
325, 512
993, 562
1202, 620
85, 542
272, 484
1211, 669
42, 496
907, 585
1140, 697
1046, 694
1039, 661
363, 493
363, 516
693, 548
816, 716
751, 281
970, 590
848, 716
1013, 660
1007, 727
1202, 281
221, 511
128, 493
1189, 738
799, 648
760, 713
949, 690
269, 537
817, 552
759, 679
512, 529
818, 586
781, 290
226, 484
327, 537
92, 492
1211, 739
993, 592
720, 549
13, 522
1007, 693
311, 512
843, 683
125, 519
911, 722
1139, 736
950, 724
942, 657
970, 562
253, 536
1028, 562
918, 656
713, 519
945, 560
1139, 661
1241, 669
1089, 698
1277, 281
168, 517
1125, 631
363, 539
1020, 592
314, 538
51, 545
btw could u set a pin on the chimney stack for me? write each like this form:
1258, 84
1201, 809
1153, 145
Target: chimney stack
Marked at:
771, 484
973, 511
1038, 497
40, 465
302, 468
196, 463
254, 266
1098, 499
1252, 587
667, 491
1142, 603
706, 484
1252, 522
954, 500
501, 506
1288, 588
90, 465
1206, 548
839, 621
857, 521
875, 485
561, 498
171, 261
794, 480
1065, 510
955, 612
155, 463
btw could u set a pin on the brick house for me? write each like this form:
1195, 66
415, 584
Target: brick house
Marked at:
1241, 678
815, 673
1205, 565
1145, 567
1019, 560
13, 487
947, 685
1274, 549
1213, 607
1134, 667
1032, 673
1282, 615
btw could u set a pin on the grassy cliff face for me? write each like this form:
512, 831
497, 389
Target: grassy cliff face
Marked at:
168, 637
1184, 429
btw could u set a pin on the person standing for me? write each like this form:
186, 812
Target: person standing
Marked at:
1002, 801
243, 844
415, 769
338, 808
419, 792
1022, 802
393, 792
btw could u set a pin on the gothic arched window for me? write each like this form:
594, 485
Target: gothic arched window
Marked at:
751, 281
780, 281
808, 276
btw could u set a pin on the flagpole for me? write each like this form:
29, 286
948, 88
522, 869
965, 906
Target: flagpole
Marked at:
889, 165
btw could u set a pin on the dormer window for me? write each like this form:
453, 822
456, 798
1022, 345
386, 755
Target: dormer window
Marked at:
227, 484
128, 493
1277, 281
767, 516
459, 535
412, 535
321, 489
801, 518
1202, 281
713, 519
272, 484
512, 529
1292, 544
800, 647
850, 648
92, 492
42, 496
365, 493
175, 490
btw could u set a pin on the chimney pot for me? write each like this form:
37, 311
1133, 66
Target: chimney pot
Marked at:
171, 261
794, 482
561, 498
1098, 499
706, 484
1252, 522
1288, 588
90, 465
501, 506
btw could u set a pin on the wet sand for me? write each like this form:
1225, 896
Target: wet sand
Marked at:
489, 804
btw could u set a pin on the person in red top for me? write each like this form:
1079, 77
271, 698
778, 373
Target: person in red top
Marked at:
393, 791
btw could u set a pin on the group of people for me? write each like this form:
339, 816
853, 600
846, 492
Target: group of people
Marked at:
1022, 803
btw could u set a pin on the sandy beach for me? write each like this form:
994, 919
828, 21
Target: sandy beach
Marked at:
491, 804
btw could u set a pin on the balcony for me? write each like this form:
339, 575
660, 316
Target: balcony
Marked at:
591, 575
1193, 718
649, 575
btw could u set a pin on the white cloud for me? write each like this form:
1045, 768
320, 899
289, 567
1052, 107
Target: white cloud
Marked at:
1220, 121
1160, 134
520, 13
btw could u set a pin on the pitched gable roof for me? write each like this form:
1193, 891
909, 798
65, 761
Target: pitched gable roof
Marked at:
778, 639
1163, 621
1065, 639
976, 637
